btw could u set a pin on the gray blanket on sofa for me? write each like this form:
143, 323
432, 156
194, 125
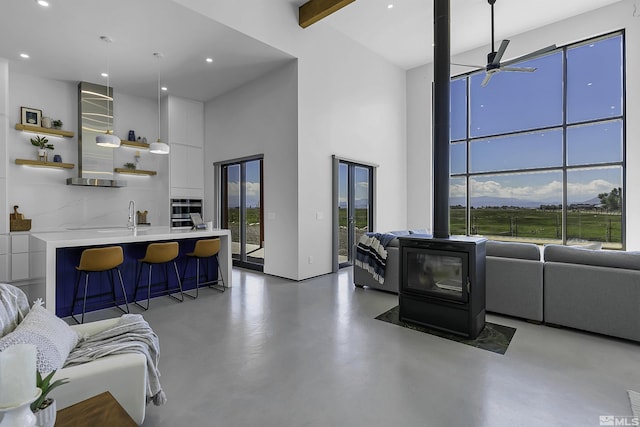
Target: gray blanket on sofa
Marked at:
131, 334
371, 253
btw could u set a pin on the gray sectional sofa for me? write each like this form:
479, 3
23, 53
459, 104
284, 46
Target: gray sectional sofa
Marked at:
593, 290
588, 289
514, 280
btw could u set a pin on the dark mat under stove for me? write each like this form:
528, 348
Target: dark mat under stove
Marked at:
493, 337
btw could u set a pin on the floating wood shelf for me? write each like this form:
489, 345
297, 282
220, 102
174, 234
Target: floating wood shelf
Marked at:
134, 144
135, 171
40, 164
40, 129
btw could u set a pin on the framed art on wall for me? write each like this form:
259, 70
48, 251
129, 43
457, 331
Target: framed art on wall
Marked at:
31, 116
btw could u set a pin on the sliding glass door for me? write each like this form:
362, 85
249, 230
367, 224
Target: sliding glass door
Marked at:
354, 207
242, 213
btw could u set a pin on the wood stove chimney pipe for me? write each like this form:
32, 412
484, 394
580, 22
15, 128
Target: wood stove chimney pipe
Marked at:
441, 119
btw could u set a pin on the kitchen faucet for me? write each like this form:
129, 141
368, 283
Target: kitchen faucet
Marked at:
131, 223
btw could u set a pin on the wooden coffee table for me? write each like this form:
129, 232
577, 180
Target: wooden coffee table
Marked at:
100, 410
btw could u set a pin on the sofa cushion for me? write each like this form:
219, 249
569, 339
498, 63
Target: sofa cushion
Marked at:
53, 338
599, 258
518, 250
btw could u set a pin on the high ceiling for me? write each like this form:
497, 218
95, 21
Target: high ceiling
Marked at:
404, 33
63, 40
64, 43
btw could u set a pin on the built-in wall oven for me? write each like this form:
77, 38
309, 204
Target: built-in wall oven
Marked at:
181, 210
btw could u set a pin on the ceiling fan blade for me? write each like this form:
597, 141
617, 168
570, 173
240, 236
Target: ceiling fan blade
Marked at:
479, 67
501, 49
530, 55
486, 79
525, 69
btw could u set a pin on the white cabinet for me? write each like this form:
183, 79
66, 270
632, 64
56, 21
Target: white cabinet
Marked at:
185, 120
4, 258
19, 256
187, 171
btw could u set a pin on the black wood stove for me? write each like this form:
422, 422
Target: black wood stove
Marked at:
442, 283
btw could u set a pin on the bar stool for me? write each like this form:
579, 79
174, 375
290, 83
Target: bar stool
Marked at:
159, 253
206, 248
98, 260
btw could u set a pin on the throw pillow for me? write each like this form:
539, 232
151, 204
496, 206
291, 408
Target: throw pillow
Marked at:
53, 338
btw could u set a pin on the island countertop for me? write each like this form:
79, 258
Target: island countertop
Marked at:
54, 240
109, 235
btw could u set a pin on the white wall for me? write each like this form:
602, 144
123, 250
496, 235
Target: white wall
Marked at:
43, 195
419, 148
351, 103
611, 18
260, 118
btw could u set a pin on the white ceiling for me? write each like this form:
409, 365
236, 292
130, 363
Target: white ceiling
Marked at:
63, 40
404, 34
64, 43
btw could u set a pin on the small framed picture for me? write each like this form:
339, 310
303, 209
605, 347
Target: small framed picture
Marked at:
31, 116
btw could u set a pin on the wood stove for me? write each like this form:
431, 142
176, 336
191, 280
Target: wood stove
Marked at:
442, 283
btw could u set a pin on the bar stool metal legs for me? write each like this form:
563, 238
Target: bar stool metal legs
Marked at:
159, 253
205, 249
96, 260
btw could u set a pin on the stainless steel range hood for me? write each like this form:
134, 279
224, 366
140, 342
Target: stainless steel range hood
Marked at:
95, 163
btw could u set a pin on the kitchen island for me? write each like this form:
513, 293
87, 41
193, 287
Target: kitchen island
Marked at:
59, 279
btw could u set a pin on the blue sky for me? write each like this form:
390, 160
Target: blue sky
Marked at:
517, 101
361, 185
252, 184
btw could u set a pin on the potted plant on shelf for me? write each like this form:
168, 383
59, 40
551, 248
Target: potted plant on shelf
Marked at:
57, 124
43, 145
44, 408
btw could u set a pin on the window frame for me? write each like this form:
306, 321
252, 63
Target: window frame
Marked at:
564, 127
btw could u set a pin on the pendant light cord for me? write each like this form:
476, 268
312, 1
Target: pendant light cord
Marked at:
107, 40
158, 101
158, 56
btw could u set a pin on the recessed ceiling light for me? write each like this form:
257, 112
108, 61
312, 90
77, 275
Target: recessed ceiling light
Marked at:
43, 3
389, 6
24, 55
209, 60
104, 74
164, 88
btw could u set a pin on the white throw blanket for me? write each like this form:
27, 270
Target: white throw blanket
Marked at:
131, 334
14, 306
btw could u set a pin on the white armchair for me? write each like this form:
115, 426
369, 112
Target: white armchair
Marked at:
124, 375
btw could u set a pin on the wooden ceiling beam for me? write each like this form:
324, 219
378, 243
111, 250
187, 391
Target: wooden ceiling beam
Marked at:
314, 10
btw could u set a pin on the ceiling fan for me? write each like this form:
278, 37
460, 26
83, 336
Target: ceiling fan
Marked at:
493, 58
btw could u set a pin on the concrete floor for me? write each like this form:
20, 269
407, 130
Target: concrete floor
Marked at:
272, 352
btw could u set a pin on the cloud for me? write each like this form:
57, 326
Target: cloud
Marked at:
252, 190
551, 190
362, 190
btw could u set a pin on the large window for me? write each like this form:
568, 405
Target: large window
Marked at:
540, 156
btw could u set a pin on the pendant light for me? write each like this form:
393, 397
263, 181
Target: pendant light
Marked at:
158, 147
107, 139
